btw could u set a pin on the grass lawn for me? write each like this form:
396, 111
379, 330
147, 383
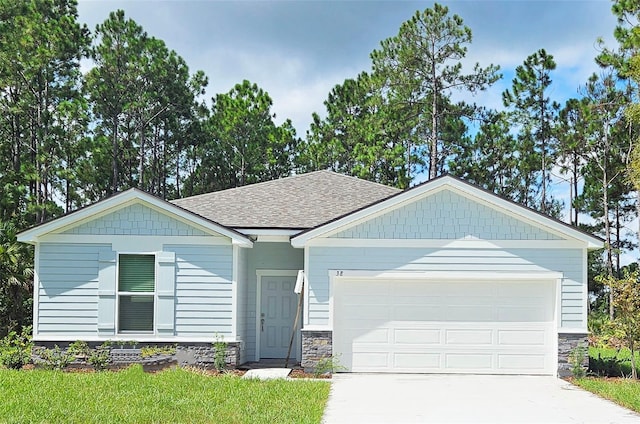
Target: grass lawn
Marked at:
174, 395
621, 391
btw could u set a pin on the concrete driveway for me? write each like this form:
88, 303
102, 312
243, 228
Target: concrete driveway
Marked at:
412, 398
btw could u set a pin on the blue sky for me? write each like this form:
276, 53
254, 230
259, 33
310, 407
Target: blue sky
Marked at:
298, 50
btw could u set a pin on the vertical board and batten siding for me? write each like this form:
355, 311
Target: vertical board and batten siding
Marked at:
445, 216
68, 288
567, 261
135, 220
203, 291
271, 256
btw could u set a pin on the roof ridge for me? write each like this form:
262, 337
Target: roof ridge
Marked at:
290, 177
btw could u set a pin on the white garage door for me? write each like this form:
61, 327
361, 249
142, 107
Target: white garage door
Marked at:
483, 327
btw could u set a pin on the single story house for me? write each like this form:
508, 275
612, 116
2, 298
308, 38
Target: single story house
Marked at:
441, 278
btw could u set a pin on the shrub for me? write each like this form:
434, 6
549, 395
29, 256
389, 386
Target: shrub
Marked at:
220, 352
56, 358
576, 359
15, 349
79, 348
328, 365
100, 357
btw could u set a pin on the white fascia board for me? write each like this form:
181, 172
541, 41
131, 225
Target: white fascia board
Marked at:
127, 198
466, 190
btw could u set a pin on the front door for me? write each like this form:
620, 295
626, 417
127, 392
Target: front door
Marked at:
278, 305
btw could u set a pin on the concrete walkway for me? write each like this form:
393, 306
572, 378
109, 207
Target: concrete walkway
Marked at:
412, 398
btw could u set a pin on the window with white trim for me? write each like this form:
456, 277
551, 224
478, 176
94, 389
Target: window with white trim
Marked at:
136, 293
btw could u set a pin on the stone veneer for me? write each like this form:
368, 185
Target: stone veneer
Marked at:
316, 345
567, 342
202, 355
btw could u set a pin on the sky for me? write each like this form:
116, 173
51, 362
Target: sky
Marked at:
298, 51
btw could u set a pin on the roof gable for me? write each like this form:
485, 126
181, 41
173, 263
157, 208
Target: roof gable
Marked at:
133, 212
447, 215
135, 219
297, 202
429, 197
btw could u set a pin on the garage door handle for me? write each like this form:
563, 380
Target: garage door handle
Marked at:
262, 324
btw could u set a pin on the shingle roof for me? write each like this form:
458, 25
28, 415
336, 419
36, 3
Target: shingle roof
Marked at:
301, 201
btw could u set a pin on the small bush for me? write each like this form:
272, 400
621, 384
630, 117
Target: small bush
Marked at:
79, 348
220, 353
328, 365
15, 349
56, 358
100, 357
576, 359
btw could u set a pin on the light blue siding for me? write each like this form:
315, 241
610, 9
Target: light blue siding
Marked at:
273, 256
567, 261
203, 306
68, 288
446, 215
242, 294
136, 220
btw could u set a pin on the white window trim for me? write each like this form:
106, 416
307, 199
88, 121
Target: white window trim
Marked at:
154, 294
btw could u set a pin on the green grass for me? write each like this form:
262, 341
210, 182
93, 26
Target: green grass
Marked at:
621, 391
176, 395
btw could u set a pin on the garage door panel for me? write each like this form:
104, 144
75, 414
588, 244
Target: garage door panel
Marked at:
469, 337
521, 362
440, 330
522, 338
370, 362
416, 336
378, 335
416, 361
467, 361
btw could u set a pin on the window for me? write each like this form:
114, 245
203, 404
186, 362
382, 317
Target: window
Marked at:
136, 289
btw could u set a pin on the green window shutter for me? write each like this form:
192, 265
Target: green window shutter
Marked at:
136, 313
136, 273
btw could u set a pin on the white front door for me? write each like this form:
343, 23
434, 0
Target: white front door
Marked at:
278, 305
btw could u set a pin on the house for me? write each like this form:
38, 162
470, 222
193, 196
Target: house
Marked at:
442, 277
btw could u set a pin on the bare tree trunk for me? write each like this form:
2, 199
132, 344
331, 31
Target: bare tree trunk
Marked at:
114, 157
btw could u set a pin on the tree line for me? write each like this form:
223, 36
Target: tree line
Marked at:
139, 118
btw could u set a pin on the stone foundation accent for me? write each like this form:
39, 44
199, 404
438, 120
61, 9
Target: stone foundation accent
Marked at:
316, 345
567, 342
202, 355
